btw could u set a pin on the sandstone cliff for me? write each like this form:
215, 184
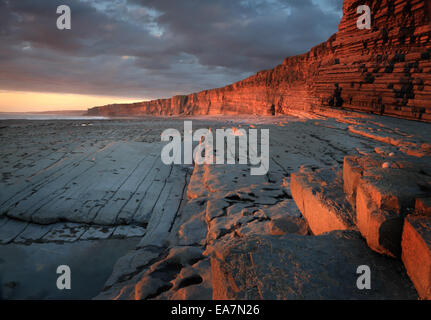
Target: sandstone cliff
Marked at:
385, 70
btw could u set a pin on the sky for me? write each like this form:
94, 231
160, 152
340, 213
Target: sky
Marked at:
134, 50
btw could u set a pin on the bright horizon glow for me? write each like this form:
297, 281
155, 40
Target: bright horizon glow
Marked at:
24, 101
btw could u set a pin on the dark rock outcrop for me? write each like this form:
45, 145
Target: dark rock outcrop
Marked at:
385, 70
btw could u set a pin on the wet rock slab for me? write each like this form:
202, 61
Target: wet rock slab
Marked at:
108, 184
298, 267
28, 271
16, 231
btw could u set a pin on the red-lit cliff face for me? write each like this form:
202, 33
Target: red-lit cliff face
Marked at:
385, 70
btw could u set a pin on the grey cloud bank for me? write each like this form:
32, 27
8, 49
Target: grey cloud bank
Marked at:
153, 48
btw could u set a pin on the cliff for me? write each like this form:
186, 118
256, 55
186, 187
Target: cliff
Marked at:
385, 70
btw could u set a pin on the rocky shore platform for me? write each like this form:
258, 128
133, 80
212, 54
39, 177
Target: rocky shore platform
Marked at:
343, 190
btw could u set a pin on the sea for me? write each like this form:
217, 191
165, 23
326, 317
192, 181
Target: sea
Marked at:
35, 116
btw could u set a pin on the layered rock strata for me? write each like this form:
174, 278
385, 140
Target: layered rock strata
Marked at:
389, 195
385, 70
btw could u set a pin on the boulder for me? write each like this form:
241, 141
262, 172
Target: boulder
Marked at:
384, 198
320, 198
416, 253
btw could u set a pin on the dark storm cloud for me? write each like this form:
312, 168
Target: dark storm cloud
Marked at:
153, 48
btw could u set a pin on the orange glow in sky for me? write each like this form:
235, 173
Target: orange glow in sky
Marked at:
20, 101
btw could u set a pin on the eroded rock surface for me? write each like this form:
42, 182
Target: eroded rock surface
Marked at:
226, 207
297, 267
187, 210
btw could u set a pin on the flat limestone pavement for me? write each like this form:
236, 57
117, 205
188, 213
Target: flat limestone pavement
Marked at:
111, 173
212, 248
